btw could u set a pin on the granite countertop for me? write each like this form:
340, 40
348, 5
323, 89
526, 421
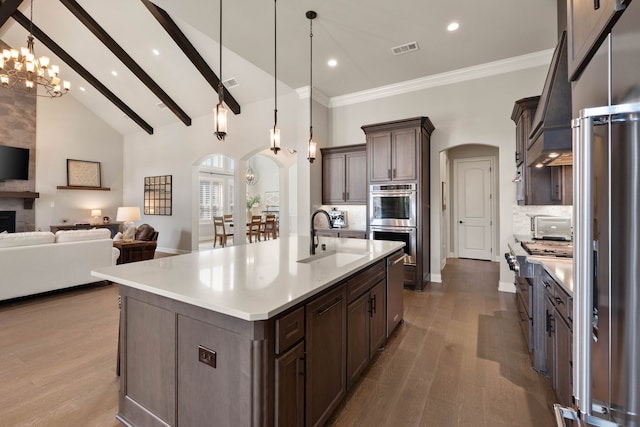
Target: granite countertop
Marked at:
561, 269
252, 281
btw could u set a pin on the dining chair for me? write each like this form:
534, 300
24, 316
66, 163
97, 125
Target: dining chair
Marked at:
254, 227
220, 232
269, 228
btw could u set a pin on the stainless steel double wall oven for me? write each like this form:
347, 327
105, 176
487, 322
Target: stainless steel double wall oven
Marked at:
393, 215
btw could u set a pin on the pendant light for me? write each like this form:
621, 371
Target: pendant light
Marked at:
312, 146
274, 133
220, 113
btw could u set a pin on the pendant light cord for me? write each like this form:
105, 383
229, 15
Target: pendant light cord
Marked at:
275, 66
220, 87
310, 79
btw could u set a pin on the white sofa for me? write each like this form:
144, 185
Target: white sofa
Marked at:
36, 262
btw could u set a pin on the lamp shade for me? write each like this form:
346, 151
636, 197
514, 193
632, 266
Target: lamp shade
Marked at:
128, 214
96, 212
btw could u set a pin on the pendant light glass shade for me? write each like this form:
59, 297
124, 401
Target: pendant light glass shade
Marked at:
220, 120
274, 137
220, 113
274, 132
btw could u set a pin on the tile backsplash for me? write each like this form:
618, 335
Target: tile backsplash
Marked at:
356, 214
522, 222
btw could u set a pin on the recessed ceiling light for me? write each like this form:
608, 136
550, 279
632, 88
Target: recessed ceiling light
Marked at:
114, 73
332, 63
540, 165
82, 89
553, 155
453, 26
156, 52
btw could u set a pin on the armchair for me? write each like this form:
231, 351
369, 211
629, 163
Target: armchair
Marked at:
142, 248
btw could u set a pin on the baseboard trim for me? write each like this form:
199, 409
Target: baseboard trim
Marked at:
172, 250
436, 278
507, 287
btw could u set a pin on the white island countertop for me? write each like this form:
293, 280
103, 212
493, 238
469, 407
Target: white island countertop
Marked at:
253, 281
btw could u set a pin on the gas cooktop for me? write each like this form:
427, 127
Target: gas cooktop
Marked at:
549, 248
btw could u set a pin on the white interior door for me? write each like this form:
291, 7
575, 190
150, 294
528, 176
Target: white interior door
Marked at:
473, 207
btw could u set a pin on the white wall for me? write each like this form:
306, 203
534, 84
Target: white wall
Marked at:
65, 129
175, 149
471, 112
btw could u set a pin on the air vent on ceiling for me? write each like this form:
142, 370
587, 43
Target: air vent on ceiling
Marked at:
230, 83
161, 105
405, 48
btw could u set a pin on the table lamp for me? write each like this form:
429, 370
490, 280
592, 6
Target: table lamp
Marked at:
128, 215
96, 214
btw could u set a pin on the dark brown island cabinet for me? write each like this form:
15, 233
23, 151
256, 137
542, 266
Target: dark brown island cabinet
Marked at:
398, 154
189, 366
344, 179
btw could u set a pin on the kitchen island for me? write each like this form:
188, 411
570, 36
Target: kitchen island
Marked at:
249, 335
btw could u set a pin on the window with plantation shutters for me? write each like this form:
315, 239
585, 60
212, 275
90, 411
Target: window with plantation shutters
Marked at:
216, 187
205, 200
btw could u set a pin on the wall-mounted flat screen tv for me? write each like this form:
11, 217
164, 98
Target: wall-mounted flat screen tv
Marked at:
14, 163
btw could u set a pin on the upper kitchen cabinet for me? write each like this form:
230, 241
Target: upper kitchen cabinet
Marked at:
589, 22
522, 115
344, 178
394, 149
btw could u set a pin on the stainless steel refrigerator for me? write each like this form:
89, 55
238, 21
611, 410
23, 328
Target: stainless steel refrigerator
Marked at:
606, 150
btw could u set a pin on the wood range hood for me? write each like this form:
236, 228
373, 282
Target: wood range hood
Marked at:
550, 141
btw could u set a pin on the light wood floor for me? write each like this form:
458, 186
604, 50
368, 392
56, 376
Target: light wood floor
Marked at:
459, 359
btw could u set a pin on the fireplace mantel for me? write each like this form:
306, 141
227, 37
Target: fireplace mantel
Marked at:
28, 196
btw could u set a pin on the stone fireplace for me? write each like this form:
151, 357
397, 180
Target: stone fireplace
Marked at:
18, 123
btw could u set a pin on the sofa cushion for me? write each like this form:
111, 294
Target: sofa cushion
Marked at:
79, 235
9, 240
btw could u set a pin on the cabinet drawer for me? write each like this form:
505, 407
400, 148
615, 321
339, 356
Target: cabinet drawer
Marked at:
364, 280
564, 304
289, 330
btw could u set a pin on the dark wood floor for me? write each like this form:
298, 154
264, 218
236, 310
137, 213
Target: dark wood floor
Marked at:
459, 359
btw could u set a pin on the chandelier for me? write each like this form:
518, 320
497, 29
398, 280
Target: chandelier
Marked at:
21, 70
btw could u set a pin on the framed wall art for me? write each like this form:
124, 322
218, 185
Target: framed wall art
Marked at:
82, 173
157, 195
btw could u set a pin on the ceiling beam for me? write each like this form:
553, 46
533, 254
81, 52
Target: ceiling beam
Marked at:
68, 59
124, 57
6, 10
191, 52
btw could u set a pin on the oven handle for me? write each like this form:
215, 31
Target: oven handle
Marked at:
393, 193
408, 230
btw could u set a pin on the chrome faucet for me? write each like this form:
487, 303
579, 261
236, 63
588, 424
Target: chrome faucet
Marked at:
314, 238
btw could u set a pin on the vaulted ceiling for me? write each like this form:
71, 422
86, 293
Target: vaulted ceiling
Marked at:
97, 38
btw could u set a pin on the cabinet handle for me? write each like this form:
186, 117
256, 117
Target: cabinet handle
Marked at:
301, 366
389, 173
374, 306
596, 4
343, 196
336, 302
394, 173
347, 198
559, 301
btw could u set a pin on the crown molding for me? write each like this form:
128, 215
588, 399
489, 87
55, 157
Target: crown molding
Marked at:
319, 97
516, 63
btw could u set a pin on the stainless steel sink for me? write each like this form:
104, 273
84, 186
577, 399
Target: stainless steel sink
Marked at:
332, 258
